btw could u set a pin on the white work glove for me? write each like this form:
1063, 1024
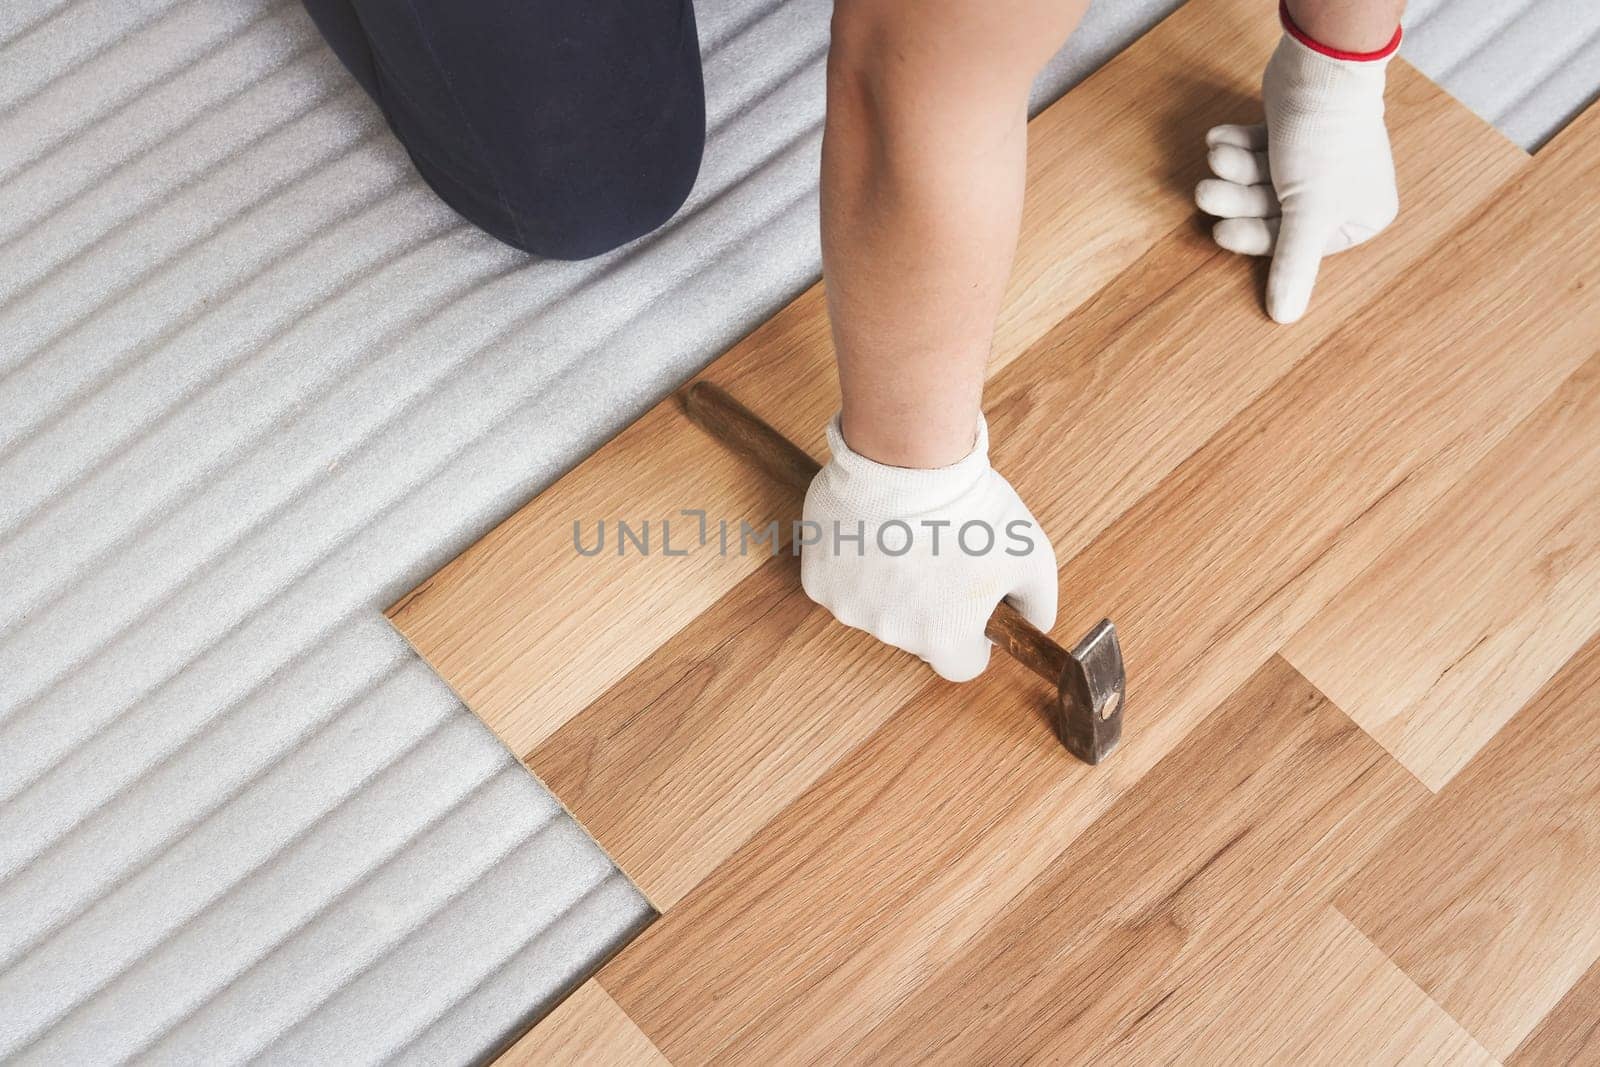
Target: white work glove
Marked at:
925, 574
1325, 180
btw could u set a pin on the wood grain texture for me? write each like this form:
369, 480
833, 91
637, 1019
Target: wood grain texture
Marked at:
1265, 806
1110, 172
1087, 422
1570, 1035
1306, 989
1489, 896
585, 1030
1193, 915
867, 884
681, 763
1435, 647
877, 879
1440, 642
860, 862
1254, 534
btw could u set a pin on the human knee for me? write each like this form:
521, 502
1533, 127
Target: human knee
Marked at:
595, 199
564, 130
580, 187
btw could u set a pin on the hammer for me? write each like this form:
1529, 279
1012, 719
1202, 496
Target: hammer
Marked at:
1089, 680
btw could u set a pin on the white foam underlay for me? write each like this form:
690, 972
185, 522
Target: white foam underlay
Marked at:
255, 383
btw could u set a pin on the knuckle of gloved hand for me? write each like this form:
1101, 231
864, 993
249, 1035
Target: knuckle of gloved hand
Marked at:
879, 624
903, 635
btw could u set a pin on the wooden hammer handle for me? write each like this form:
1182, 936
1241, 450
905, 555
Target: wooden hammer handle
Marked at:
719, 414
712, 409
1027, 644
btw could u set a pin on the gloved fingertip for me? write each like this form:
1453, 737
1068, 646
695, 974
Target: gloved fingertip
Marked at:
1252, 136
1218, 159
961, 664
1040, 612
1238, 165
1302, 241
1037, 601
1287, 304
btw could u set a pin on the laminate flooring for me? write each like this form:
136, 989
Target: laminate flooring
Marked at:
1355, 565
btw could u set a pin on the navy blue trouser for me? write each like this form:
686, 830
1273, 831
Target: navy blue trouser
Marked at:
562, 127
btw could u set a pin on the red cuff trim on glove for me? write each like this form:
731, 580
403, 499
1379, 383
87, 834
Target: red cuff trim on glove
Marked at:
1317, 46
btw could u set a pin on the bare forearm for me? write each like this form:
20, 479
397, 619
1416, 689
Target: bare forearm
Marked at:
920, 225
923, 165
1350, 25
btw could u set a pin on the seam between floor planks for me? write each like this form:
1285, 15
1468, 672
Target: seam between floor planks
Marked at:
1091, 387
1265, 846
587, 1027
1430, 459
1445, 637
1435, 694
485, 622
1213, 299
1387, 990
1400, 488
1504, 861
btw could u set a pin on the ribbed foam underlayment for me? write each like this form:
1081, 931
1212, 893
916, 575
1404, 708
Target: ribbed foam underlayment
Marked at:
255, 383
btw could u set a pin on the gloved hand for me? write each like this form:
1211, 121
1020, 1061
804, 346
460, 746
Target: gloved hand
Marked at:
920, 558
1316, 178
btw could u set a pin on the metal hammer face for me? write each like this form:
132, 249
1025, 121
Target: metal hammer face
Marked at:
1091, 694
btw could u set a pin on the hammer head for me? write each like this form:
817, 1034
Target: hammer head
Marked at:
1091, 695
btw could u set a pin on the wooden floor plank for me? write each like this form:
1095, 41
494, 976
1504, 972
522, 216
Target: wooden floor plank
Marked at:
1274, 798
849, 899
1570, 1035
1489, 896
1300, 986
865, 885
730, 720
1110, 170
1194, 911
737, 715
586, 1029
1304, 990
1436, 646
857, 861
678, 765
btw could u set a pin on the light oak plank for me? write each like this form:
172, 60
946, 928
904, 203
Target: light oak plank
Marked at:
679, 764
1193, 916
1247, 541
1570, 1035
685, 759
1451, 632
1110, 170
1489, 896
1272, 799
585, 1030
1305, 990
1437, 645
880, 875
862, 888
